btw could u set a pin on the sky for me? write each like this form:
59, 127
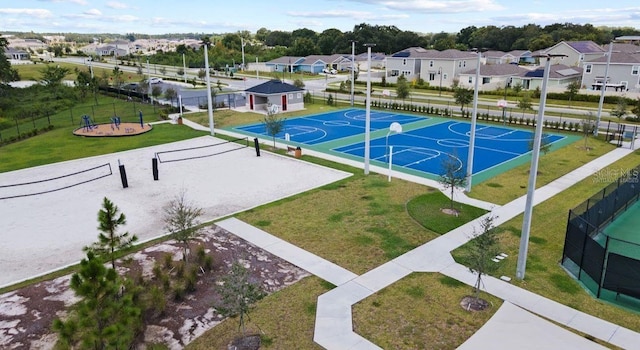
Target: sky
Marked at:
215, 16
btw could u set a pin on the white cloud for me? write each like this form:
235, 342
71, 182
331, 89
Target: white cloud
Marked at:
93, 13
437, 6
79, 2
357, 15
117, 5
37, 13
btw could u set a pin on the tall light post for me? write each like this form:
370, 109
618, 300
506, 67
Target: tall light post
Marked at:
209, 104
367, 123
533, 172
242, 46
603, 89
353, 68
472, 135
148, 83
184, 68
440, 74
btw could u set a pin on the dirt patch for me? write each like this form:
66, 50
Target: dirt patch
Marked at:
450, 211
470, 303
26, 314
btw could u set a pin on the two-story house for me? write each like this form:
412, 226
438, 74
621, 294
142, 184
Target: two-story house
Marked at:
438, 68
576, 52
623, 73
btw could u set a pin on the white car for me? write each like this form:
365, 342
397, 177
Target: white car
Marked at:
329, 71
155, 80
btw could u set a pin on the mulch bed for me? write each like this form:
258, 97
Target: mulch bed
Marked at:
26, 314
110, 130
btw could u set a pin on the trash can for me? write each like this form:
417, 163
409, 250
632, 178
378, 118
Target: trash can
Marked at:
298, 152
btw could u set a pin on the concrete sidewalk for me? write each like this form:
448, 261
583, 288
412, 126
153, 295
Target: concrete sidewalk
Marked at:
334, 324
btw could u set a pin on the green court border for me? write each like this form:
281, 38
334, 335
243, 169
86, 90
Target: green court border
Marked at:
327, 147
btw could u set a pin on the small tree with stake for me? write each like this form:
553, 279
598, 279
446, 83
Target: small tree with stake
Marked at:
238, 294
109, 241
182, 219
482, 248
452, 175
273, 124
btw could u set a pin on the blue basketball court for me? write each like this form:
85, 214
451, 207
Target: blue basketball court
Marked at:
331, 126
422, 147
425, 149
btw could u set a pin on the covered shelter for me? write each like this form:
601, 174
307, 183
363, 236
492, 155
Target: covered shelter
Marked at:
275, 92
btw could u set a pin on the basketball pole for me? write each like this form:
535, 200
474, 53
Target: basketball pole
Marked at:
209, 105
472, 136
533, 172
367, 124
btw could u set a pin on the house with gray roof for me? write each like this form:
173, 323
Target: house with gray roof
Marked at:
16, 54
560, 76
576, 52
438, 68
501, 57
378, 61
492, 76
623, 73
284, 63
275, 92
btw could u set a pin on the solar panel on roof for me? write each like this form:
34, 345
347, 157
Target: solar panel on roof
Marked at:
568, 71
402, 54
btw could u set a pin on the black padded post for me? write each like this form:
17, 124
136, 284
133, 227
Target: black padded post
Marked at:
257, 145
154, 165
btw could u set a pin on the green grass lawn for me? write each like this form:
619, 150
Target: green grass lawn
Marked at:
421, 311
544, 275
34, 71
60, 144
512, 184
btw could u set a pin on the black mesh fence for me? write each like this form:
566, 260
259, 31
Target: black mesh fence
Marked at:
596, 254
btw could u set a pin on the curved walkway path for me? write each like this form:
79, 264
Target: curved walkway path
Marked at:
333, 328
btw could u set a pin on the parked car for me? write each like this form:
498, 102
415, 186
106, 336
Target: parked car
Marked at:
155, 80
329, 71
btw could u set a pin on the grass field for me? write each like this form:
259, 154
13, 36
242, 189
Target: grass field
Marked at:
544, 275
60, 144
34, 71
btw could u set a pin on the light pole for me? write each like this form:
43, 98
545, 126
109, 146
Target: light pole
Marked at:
184, 68
440, 74
353, 75
533, 172
148, 83
209, 104
367, 123
472, 136
242, 45
603, 89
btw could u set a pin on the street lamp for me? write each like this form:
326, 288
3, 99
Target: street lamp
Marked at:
353, 75
367, 123
209, 104
440, 74
533, 171
603, 89
472, 136
149, 84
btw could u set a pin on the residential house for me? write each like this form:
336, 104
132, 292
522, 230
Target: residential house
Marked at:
623, 73
378, 61
623, 47
435, 67
560, 76
285, 96
284, 63
492, 76
576, 52
501, 57
16, 54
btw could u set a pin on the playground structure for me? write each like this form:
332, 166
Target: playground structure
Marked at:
115, 127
